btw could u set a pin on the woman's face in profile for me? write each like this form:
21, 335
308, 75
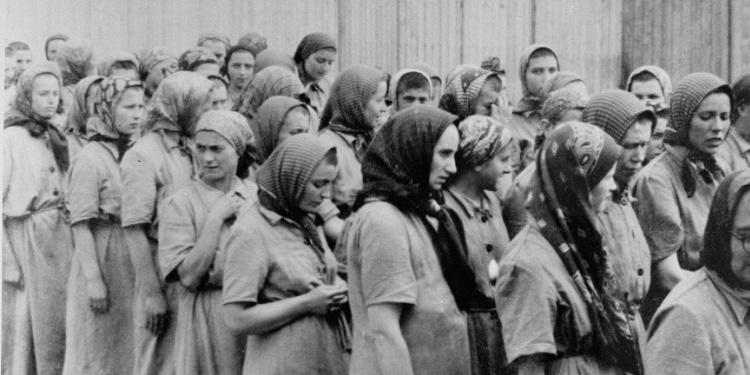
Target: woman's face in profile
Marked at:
740, 248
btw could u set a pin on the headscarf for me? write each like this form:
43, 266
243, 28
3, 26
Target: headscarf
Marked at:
230, 52
214, 36
396, 169
400, 74
661, 76
151, 58
573, 161
52, 37
75, 60
462, 92
270, 118
482, 137
79, 112
530, 102
179, 102
456, 72
101, 123
686, 99
22, 113
195, 57
255, 42
427, 69
312, 43
556, 105
614, 111
233, 127
741, 91
271, 57
492, 63
272, 81
105, 66
558, 81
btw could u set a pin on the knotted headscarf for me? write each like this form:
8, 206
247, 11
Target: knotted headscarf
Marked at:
105, 66
179, 102
75, 60
462, 92
151, 58
482, 137
51, 38
272, 81
214, 36
530, 102
233, 127
270, 118
101, 123
271, 57
661, 76
23, 114
79, 111
195, 57
614, 111
686, 99
255, 42
493, 64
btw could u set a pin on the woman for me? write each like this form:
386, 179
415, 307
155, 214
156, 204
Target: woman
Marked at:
272, 81
239, 65
75, 61
348, 123
409, 277
272, 57
279, 118
483, 158
674, 192
651, 85
435, 80
37, 243
282, 292
554, 294
81, 109
155, 65
200, 60
703, 326
102, 279
119, 64
160, 163
218, 44
314, 57
53, 45
192, 237
561, 80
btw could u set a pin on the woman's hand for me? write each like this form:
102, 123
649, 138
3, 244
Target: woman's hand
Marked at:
157, 316
326, 298
96, 291
226, 207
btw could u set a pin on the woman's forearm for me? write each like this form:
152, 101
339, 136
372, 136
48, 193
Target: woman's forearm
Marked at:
199, 259
142, 258
84, 245
264, 317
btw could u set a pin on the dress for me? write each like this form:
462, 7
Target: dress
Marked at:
95, 193
204, 344
40, 248
392, 260
153, 170
267, 261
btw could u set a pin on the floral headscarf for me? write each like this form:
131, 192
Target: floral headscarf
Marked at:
272, 81
101, 123
270, 118
75, 60
462, 92
196, 56
482, 137
79, 112
105, 66
179, 102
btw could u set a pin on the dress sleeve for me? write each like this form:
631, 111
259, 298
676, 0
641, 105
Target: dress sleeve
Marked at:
527, 309
678, 344
385, 258
177, 235
247, 263
659, 216
138, 188
83, 188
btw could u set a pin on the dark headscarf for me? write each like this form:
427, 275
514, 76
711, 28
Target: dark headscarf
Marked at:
312, 43
51, 38
686, 99
574, 159
79, 112
614, 111
75, 61
270, 118
717, 252
396, 169
272, 81
530, 102
271, 57
462, 92
195, 57
22, 113
179, 102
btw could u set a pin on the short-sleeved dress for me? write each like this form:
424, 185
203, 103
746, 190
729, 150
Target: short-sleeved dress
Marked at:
37, 248
392, 260
269, 260
541, 310
154, 169
95, 193
348, 181
204, 344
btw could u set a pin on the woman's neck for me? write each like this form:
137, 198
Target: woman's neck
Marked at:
223, 184
304, 77
469, 186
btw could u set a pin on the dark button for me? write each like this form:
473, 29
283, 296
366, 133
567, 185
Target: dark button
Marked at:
51, 169
484, 218
637, 301
55, 193
640, 272
489, 248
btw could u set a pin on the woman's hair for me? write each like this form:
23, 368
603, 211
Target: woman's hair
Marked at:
741, 90
542, 52
238, 48
494, 82
410, 81
126, 65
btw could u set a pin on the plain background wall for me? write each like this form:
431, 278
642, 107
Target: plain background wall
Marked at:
602, 40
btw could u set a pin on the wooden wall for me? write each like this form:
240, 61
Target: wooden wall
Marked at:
600, 39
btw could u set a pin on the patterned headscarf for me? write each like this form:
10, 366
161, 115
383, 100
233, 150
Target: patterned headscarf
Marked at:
51, 38
79, 112
23, 114
614, 111
101, 123
397, 77
272, 81
558, 81
573, 161
530, 102
482, 137
214, 36
151, 58
493, 64
270, 118
195, 57
75, 60
661, 76
427, 69
105, 66
255, 42
271, 57
312, 43
561, 101
462, 92
232, 126
350, 93
179, 102
456, 72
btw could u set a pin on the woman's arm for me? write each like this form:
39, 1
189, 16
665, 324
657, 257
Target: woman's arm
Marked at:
392, 352
531, 365
96, 289
11, 269
145, 273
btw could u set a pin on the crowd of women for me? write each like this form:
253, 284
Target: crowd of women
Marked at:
238, 210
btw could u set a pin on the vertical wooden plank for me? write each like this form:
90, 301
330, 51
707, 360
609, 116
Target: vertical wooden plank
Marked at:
740, 46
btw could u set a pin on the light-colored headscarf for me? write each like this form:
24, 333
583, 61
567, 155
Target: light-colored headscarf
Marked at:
271, 57
102, 122
427, 69
661, 76
400, 74
558, 81
179, 102
196, 56
270, 118
462, 91
105, 66
232, 126
214, 36
151, 58
530, 102
255, 42
51, 38
75, 60
272, 81
482, 137
79, 112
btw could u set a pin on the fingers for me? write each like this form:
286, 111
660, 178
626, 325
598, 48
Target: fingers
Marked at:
100, 306
157, 323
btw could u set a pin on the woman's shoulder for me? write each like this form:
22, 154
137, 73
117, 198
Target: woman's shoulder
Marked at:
692, 295
381, 213
531, 251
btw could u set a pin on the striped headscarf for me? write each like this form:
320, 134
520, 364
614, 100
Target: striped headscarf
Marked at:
272, 81
482, 137
270, 118
462, 91
179, 102
79, 112
614, 111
